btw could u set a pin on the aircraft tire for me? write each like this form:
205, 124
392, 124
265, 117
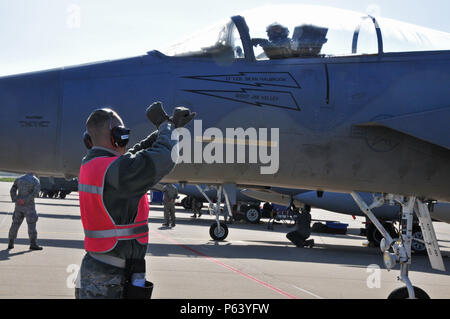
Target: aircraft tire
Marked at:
184, 203
252, 215
402, 293
418, 247
375, 237
218, 235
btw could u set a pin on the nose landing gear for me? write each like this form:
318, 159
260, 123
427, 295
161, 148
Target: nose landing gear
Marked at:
399, 251
219, 230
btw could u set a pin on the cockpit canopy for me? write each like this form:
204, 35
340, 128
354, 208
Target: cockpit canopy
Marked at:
313, 31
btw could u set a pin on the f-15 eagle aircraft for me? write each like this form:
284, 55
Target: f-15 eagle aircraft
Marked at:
352, 103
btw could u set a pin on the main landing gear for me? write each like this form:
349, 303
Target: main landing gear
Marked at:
398, 251
219, 230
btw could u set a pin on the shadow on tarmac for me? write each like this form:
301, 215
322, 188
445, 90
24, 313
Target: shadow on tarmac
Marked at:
348, 256
57, 204
46, 204
262, 226
7, 254
58, 243
55, 216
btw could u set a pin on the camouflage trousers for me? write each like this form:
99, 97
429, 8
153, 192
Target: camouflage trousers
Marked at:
97, 280
21, 213
169, 213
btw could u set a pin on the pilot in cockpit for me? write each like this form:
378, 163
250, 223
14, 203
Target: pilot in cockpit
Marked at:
278, 37
278, 34
307, 41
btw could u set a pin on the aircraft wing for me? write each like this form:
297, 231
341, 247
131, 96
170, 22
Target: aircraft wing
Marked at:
431, 126
268, 195
157, 187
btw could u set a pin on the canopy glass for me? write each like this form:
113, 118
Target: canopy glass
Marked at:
311, 31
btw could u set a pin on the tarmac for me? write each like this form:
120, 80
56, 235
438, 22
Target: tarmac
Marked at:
184, 263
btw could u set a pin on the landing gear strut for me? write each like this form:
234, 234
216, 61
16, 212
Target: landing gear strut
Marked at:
399, 250
219, 230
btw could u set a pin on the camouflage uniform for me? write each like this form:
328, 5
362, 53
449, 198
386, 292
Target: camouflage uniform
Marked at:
170, 193
195, 205
25, 188
99, 280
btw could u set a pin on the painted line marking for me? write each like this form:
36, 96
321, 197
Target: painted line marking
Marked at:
308, 292
225, 266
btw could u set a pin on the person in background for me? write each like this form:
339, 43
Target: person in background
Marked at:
170, 194
23, 192
196, 208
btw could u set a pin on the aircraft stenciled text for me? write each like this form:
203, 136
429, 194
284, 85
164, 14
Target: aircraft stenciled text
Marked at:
257, 97
277, 89
281, 79
34, 121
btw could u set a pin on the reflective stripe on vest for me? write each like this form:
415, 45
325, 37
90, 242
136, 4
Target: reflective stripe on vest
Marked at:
90, 189
101, 233
120, 232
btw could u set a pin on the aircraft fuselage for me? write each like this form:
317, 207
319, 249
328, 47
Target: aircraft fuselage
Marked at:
318, 105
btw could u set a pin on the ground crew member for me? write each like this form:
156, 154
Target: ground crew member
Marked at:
196, 207
114, 207
300, 236
170, 194
23, 192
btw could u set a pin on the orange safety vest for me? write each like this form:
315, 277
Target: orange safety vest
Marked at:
101, 233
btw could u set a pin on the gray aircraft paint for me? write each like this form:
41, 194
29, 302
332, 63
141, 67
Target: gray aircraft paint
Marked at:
330, 112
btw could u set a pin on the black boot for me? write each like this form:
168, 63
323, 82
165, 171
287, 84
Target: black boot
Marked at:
309, 243
296, 239
34, 246
11, 244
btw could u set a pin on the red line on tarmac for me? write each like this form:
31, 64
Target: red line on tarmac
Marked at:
225, 265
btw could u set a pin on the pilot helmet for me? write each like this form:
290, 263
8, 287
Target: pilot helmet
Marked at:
276, 31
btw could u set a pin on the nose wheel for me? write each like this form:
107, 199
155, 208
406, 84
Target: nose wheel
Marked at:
402, 293
218, 232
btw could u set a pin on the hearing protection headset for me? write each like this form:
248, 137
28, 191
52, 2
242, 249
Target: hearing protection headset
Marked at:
120, 135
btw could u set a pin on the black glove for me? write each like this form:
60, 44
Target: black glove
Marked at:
156, 114
261, 42
182, 116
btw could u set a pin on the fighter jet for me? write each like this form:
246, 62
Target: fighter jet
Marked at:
290, 96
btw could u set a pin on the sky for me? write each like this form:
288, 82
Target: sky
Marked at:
43, 34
